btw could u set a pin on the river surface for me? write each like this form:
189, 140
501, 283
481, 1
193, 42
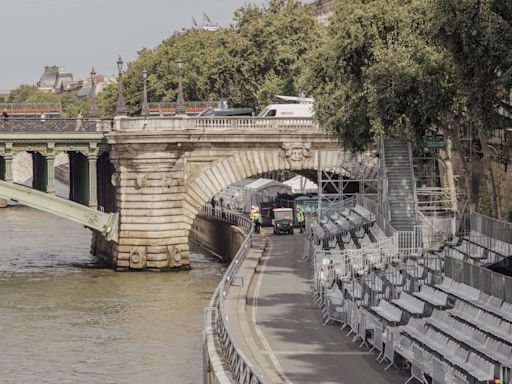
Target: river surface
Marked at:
65, 320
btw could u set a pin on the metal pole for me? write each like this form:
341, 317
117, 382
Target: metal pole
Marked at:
180, 103
93, 111
120, 107
145, 105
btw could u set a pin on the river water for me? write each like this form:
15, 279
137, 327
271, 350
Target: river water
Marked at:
65, 320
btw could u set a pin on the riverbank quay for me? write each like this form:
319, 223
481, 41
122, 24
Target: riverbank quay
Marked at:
262, 325
227, 346
287, 324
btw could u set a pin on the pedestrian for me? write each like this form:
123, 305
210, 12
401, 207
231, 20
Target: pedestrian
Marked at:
79, 121
43, 116
257, 220
300, 219
5, 115
251, 213
221, 202
213, 202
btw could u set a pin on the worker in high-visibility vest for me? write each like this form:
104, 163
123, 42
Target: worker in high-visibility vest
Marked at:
300, 219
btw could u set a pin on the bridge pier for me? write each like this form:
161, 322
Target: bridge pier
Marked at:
83, 178
6, 168
149, 188
43, 172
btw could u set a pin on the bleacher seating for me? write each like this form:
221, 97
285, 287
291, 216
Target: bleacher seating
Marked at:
433, 296
388, 311
411, 304
454, 333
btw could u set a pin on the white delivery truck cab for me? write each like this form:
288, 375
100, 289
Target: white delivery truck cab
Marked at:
287, 110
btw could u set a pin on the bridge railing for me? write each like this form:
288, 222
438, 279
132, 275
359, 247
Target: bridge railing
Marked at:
157, 108
228, 216
241, 368
54, 125
238, 124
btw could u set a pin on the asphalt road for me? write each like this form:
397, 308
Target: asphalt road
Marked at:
288, 326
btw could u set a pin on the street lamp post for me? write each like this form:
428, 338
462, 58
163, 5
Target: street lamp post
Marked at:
93, 111
180, 103
120, 107
145, 105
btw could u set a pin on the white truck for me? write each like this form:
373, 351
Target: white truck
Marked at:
288, 110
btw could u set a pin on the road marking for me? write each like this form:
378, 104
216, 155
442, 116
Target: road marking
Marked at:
266, 345
348, 353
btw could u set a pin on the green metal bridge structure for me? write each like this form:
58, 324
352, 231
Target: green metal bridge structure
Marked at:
86, 146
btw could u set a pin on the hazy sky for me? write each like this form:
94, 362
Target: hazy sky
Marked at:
79, 34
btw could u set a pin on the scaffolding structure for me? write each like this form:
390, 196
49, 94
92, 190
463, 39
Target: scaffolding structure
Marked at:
360, 175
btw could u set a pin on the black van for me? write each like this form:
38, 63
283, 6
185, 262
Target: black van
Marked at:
210, 112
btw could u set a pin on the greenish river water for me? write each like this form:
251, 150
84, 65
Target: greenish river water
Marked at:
65, 320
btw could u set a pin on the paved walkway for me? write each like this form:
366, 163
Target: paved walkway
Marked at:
288, 330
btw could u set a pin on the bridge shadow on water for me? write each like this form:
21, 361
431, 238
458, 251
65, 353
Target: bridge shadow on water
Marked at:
292, 325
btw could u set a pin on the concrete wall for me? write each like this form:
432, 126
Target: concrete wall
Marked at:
219, 238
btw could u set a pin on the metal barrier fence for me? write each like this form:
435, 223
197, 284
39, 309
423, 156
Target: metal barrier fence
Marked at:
406, 242
494, 228
227, 216
381, 216
241, 368
489, 282
54, 125
332, 207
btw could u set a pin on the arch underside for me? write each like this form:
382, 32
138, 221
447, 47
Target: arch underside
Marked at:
105, 223
249, 163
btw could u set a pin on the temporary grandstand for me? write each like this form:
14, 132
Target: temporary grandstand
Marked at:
425, 296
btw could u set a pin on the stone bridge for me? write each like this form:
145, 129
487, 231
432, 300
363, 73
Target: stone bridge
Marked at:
158, 173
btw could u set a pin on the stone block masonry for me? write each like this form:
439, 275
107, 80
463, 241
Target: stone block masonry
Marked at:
164, 174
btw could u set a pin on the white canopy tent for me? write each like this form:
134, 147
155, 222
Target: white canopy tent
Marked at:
263, 190
301, 185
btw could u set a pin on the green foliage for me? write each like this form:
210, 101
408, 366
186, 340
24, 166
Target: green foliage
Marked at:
478, 35
106, 101
261, 54
509, 216
377, 76
31, 94
72, 106
484, 201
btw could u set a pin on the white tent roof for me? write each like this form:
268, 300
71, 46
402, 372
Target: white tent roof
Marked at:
260, 184
299, 184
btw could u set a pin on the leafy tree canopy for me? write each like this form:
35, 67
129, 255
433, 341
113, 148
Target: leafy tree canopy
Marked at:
377, 76
261, 54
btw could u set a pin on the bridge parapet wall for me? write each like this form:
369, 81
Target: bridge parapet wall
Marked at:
240, 125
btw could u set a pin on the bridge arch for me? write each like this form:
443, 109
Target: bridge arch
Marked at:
248, 163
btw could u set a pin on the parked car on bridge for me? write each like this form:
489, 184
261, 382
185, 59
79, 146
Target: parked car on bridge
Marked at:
227, 112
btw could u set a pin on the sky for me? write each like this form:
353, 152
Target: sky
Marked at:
80, 34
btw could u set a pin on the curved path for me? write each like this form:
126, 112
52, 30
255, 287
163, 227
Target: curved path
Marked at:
287, 325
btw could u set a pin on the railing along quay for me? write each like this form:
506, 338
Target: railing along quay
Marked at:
241, 368
52, 125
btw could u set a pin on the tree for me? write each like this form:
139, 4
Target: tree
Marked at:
478, 36
261, 54
31, 94
271, 44
377, 76
72, 106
